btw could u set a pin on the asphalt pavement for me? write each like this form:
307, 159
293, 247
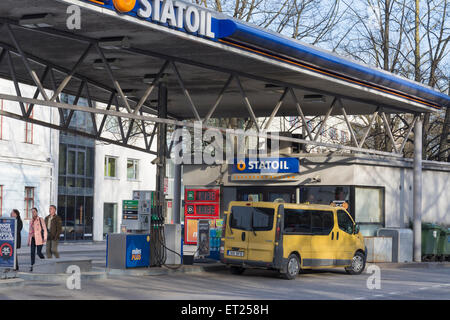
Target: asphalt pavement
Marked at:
416, 281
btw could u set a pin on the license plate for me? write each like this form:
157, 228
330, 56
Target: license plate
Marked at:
235, 253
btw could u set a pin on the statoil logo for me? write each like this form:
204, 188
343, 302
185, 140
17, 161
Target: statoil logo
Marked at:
241, 165
172, 13
124, 6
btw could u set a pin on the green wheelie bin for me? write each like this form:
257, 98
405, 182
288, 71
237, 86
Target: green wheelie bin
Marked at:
443, 250
430, 239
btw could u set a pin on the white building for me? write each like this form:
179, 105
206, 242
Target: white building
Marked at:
126, 170
41, 166
97, 177
28, 160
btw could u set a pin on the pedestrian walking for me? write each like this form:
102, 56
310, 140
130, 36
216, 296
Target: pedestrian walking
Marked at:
37, 236
16, 214
54, 228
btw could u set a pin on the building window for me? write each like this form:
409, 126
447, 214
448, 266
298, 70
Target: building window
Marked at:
344, 136
29, 201
310, 125
333, 133
132, 169
110, 167
369, 209
29, 128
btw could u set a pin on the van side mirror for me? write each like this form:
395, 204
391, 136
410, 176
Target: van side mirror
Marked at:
356, 229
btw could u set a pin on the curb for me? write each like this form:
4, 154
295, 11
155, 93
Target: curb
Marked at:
102, 273
16, 282
157, 271
406, 265
66, 252
60, 277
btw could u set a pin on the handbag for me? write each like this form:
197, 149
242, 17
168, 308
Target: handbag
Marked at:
42, 230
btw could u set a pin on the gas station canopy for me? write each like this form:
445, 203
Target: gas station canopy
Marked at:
206, 48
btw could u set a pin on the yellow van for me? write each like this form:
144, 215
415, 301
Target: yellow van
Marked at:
290, 237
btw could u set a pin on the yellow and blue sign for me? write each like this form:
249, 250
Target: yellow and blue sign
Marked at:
266, 165
137, 251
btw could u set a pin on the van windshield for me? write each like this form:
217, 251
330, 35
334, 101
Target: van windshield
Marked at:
252, 218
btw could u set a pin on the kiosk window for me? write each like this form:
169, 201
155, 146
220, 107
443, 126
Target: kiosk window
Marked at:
345, 222
322, 222
262, 219
298, 221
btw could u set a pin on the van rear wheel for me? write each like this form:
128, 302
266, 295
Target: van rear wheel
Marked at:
237, 270
292, 267
358, 264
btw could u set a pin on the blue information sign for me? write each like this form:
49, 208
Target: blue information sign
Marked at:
8, 243
266, 165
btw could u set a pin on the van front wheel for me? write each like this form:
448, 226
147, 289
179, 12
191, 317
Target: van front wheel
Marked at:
292, 267
358, 264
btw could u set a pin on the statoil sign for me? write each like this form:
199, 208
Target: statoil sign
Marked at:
266, 165
172, 13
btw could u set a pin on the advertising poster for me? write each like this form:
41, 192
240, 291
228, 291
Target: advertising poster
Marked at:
8, 243
219, 223
191, 226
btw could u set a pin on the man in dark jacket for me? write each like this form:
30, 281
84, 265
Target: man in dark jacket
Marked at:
54, 227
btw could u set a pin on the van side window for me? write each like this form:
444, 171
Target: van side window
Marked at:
241, 218
322, 222
345, 222
252, 218
297, 220
262, 219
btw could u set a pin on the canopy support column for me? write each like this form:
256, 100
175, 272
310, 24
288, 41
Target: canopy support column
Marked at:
417, 192
176, 195
162, 146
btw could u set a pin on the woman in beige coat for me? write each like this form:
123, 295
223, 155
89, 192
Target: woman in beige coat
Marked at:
37, 236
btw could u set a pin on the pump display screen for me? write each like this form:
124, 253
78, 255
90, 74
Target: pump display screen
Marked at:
200, 203
202, 195
206, 195
202, 209
206, 209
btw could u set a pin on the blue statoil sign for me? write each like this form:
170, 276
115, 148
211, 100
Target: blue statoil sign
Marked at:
174, 14
266, 165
